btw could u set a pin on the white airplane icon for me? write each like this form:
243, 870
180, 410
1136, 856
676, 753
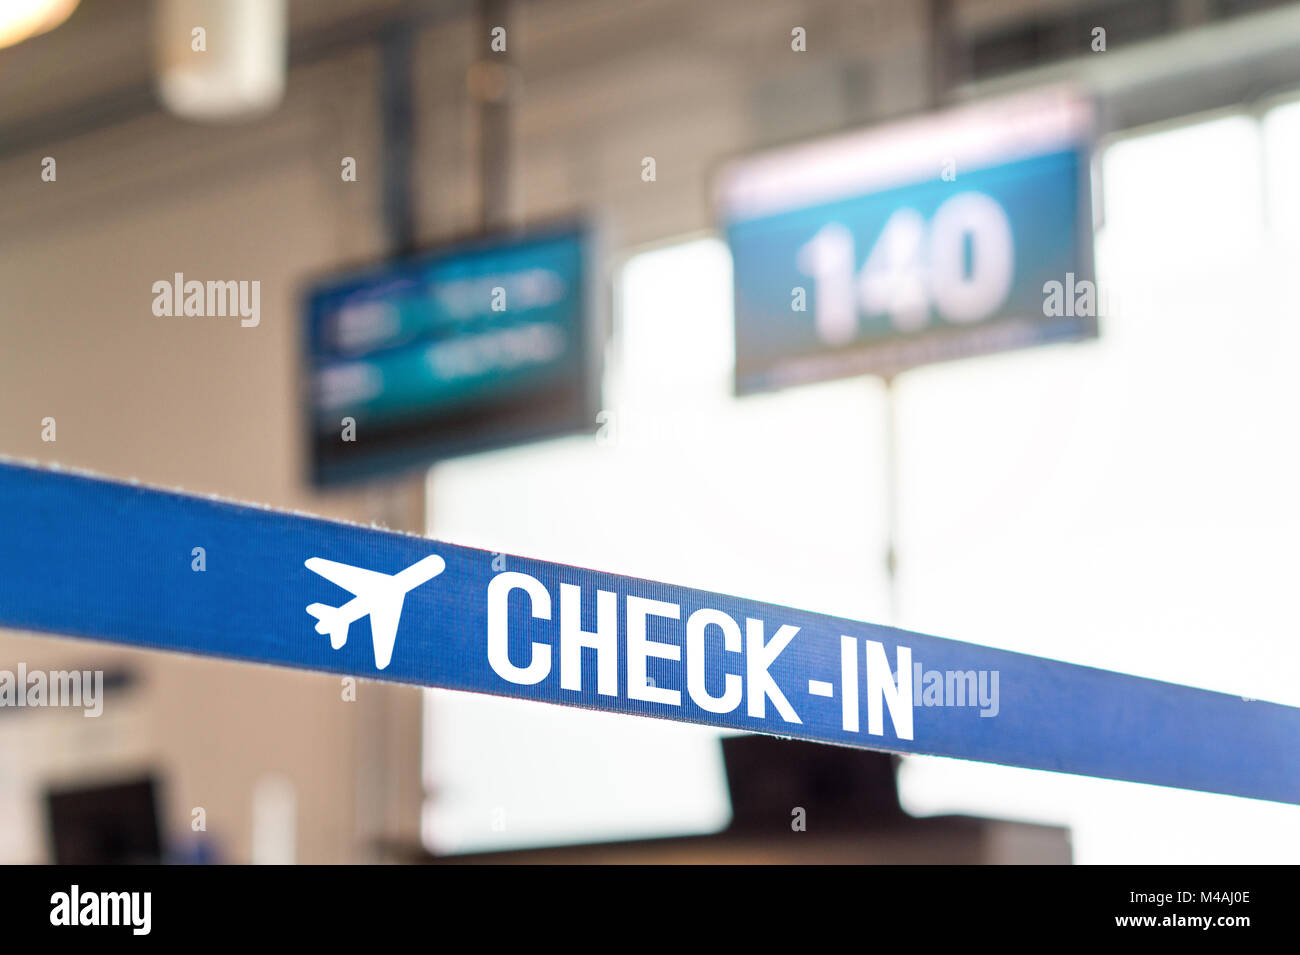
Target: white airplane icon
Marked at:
379, 595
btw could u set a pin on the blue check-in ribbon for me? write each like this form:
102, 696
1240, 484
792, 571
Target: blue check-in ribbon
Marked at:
88, 557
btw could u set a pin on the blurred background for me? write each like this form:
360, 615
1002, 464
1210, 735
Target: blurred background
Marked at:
1127, 500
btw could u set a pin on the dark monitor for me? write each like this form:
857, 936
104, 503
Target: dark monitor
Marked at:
844, 789
111, 824
479, 344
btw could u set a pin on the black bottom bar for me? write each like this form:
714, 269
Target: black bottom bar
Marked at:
594, 908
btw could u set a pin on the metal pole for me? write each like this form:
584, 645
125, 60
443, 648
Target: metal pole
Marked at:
943, 50
942, 71
397, 115
892, 490
494, 110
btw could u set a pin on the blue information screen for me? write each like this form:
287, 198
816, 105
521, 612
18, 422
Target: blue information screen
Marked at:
475, 346
933, 239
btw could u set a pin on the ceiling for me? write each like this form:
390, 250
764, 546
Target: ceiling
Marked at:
97, 67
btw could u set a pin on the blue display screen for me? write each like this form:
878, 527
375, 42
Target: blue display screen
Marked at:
943, 260
476, 346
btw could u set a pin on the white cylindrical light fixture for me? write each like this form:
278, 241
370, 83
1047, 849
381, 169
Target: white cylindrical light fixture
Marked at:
220, 59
